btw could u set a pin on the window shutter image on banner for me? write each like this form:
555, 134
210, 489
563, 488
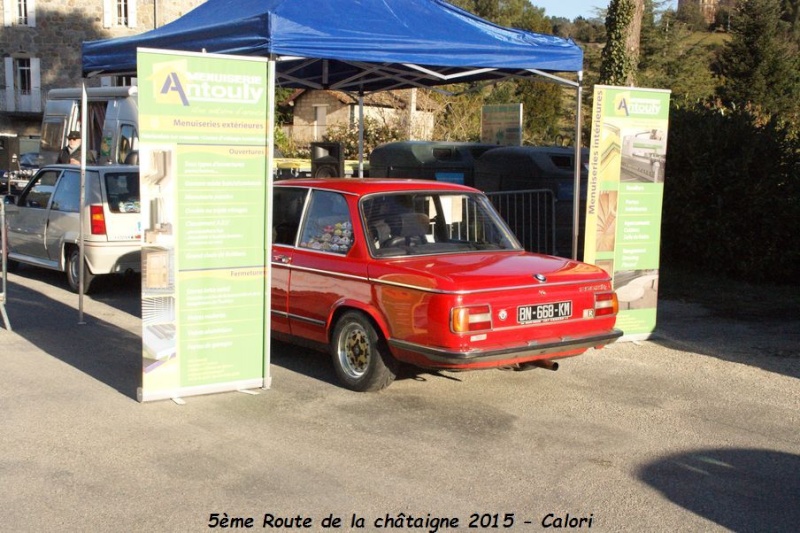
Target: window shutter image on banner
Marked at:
202, 155
627, 159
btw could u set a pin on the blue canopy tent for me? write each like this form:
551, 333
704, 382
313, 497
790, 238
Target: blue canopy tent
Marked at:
356, 46
349, 45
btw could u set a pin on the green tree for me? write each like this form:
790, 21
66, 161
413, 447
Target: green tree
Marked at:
732, 196
689, 13
759, 66
588, 30
460, 116
618, 59
675, 58
510, 13
791, 14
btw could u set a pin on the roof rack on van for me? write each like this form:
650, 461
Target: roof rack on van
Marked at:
97, 92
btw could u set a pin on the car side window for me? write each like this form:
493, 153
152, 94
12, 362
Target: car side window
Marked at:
127, 143
328, 225
67, 197
38, 195
287, 209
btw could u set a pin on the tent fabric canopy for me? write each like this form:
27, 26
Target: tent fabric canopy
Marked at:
349, 45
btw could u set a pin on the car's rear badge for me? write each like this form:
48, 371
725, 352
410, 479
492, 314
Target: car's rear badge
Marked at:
540, 277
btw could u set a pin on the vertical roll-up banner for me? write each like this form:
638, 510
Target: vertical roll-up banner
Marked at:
203, 141
627, 158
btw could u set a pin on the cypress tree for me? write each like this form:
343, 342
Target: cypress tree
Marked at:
759, 66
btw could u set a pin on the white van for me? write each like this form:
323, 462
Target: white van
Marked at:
112, 118
44, 222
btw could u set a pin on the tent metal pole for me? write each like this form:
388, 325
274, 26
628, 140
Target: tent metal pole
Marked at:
576, 199
361, 134
270, 173
82, 202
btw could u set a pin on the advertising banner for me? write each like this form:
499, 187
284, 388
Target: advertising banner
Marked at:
501, 124
623, 209
203, 133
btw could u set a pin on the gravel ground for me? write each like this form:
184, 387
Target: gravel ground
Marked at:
695, 429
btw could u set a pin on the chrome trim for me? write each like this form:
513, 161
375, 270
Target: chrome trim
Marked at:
438, 355
437, 291
324, 272
480, 291
290, 316
320, 323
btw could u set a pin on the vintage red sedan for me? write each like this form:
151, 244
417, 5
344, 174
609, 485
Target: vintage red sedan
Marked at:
384, 271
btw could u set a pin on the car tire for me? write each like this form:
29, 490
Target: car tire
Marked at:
360, 355
73, 261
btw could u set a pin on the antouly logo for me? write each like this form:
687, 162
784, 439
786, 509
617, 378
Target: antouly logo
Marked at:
174, 83
626, 105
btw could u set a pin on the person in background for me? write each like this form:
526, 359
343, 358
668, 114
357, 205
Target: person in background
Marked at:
71, 153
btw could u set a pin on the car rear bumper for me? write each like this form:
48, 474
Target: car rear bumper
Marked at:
114, 258
440, 358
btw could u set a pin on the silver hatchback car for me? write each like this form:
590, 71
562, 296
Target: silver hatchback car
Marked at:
44, 222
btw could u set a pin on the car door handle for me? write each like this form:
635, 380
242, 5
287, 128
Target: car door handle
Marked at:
280, 258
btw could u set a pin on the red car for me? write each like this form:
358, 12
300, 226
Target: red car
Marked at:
387, 271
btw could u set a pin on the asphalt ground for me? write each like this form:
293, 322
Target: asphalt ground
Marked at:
697, 429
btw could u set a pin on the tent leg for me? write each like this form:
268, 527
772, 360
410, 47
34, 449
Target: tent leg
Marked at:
361, 135
576, 199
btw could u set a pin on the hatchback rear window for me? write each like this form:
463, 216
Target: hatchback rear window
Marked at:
123, 192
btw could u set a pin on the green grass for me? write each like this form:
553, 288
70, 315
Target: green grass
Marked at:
706, 38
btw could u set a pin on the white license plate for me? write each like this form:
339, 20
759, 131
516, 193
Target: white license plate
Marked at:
527, 314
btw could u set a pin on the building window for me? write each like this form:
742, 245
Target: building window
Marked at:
119, 13
19, 13
22, 77
23, 85
320, 121
122, 12
22, 12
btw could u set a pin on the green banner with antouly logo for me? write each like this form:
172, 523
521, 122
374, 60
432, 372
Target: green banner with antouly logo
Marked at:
202, 150
627, 157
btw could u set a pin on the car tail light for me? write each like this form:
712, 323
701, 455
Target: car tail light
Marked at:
605, 304
97, 220
469, 319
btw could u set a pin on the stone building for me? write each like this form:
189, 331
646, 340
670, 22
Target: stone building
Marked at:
314, 111
709, 8
40, 46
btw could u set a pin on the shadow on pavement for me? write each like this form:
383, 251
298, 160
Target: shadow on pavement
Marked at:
317, 365
121, 292
740, 489
305, 361
772, 345
107, 352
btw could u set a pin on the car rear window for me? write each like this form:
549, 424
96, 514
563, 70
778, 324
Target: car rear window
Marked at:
433, 223
123, 192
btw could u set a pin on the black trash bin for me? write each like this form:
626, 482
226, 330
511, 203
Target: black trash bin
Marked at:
522, 168
433, 160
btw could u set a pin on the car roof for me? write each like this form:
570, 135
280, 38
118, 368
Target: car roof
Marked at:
363, 186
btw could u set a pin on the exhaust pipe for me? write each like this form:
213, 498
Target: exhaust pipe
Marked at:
539, 363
